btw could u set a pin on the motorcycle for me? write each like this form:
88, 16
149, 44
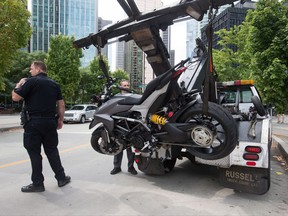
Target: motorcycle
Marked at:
165, 120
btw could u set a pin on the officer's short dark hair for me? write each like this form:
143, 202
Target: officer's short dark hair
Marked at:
40, 65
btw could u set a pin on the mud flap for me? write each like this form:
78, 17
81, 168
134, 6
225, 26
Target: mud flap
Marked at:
150, 166
246, 179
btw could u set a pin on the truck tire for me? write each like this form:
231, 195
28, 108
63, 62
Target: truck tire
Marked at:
215, 136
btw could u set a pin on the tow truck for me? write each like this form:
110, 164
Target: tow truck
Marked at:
247, 167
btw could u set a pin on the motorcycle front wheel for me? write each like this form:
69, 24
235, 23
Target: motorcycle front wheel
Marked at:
213, 135
100, 144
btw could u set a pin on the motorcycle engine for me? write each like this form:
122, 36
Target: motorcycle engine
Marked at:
142, 141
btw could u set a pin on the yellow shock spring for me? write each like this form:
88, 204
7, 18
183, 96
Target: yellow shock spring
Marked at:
157, 119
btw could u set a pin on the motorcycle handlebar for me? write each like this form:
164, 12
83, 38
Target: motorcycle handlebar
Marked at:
123, 89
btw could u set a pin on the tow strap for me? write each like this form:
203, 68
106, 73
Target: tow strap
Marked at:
209, 93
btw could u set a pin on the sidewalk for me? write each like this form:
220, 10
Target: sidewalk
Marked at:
280, 136
12, 122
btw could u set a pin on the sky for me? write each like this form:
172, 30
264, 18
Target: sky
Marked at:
111, 10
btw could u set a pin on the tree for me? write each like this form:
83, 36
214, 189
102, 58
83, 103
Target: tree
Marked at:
267, 42
262, 51
87, 85
120, 74
21, 64
15, 32
97, 72
225, 60
20, 68
229, 64
63, 64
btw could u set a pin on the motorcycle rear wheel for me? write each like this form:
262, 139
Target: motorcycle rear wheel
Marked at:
215, 135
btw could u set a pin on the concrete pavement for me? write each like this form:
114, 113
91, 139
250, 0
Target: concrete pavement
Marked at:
9, 122
279, 131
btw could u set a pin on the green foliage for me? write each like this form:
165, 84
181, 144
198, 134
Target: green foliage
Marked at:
119, 75
86, 86
20, 68
231, 65
97, 72
15, 32
262, 53
21, 64
63, 64
99, 78
268, 46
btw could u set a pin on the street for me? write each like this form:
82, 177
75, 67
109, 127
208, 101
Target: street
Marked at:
188, 190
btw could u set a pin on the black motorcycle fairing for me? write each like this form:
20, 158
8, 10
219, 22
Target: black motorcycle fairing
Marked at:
130, 100
153, 85
183, 109
104, 112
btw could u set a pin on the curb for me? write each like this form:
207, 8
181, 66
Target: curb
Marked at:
281, 145
10, 128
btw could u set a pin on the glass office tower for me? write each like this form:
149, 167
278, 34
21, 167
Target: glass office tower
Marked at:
76, 18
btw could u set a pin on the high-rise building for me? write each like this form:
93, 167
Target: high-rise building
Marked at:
136, 64
228, 18
76, 18
101, 24
192, 34
120, 55
194, 31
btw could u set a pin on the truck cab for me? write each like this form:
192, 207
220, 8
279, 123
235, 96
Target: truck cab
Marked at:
236, 96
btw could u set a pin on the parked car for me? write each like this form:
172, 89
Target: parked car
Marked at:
79, 113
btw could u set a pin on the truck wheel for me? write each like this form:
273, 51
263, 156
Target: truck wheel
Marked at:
215, 134
98, 143
258, 106
82, 119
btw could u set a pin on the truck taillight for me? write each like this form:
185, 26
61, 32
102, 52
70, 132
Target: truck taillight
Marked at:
251, 156
253, 149
250, 163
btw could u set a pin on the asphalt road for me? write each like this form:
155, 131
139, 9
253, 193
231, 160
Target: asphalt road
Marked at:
188, 190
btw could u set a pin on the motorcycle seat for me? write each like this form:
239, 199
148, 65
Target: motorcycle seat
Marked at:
134, 99
155, 84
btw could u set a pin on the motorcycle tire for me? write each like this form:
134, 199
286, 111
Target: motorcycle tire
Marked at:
215, 135
99, 145
258, 106
95, 139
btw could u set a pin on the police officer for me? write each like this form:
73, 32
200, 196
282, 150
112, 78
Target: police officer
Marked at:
41, 95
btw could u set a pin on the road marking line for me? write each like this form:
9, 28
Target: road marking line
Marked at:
74, 148
44, 156
13, 163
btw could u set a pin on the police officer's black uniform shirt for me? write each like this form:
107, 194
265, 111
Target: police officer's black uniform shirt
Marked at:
40, 94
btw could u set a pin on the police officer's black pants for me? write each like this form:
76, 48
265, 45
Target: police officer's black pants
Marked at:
40, 131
